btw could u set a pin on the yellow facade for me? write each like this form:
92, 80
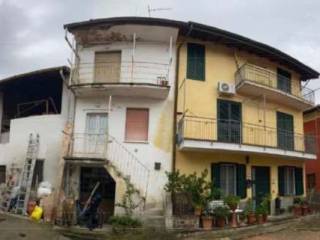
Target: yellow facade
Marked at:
199, 99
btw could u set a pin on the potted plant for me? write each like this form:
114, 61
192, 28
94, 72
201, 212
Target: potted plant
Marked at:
265, 207
206, 219
297, 210
220, 214
232, 202
259, 214
249, 212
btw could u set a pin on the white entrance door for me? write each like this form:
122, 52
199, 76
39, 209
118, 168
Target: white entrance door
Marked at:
96, 134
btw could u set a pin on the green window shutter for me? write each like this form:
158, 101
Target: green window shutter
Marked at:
298, 175
285, 128
241, 181
281, 181
215, 174
196, 62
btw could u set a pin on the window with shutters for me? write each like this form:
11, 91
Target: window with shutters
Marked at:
229, 121
285, 131
196, 61
137, 124
228, 179
107, 67
284, 80
289, 181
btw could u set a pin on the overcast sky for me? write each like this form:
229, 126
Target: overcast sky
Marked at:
32, 30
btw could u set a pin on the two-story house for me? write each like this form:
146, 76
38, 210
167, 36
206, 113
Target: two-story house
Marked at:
239, 113
123, 80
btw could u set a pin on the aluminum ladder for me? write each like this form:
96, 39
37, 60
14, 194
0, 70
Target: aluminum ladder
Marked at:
27, 175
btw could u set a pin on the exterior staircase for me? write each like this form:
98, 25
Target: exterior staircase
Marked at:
116, 157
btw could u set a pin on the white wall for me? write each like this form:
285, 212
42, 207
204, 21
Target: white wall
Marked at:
159, 146
49, 127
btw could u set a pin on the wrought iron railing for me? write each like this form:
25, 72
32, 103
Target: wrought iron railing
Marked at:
121, 72
215, 130
266, 77
104, 146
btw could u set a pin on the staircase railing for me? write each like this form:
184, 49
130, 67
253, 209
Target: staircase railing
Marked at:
105, 146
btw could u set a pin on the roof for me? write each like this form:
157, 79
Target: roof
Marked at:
36, 73
313, 109
208, 33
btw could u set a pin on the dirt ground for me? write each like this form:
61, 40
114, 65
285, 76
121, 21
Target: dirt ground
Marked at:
12, 228
305, 230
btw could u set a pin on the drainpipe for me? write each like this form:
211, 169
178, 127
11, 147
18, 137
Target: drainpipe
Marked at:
176, 86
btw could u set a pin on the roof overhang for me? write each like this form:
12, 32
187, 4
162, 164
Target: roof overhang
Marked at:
36, 74
207, 33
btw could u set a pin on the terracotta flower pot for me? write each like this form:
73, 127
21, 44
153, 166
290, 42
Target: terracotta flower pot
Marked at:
297, 211
197, 211
265, 218
251, 218
304, 210
206, 222
260, 219
221, 222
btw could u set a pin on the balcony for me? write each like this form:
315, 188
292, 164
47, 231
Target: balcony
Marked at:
206, 134
257, 81
131, 79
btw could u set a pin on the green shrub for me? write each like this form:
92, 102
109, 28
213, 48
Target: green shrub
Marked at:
221, 212
232, 201
125, 221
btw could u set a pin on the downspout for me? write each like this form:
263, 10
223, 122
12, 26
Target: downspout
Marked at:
176, 87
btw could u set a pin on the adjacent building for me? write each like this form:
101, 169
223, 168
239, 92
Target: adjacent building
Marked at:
311, 126
239, 113
33, 103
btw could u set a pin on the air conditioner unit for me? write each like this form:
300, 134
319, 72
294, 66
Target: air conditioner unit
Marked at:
226, 88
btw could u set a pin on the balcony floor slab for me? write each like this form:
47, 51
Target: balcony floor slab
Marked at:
211, 146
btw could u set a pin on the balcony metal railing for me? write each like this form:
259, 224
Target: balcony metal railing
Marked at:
256, 74
210, 129
121, 72
104, 146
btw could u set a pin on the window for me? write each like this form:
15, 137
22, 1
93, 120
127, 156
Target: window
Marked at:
285, 131
289, 180
284, 80
137, 124
229, 121
107, 67
95, 140
228, 179
3, 174
311, 181
196, 62
37, 174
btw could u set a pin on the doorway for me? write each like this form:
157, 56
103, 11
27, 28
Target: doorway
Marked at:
260, 184
89, 176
